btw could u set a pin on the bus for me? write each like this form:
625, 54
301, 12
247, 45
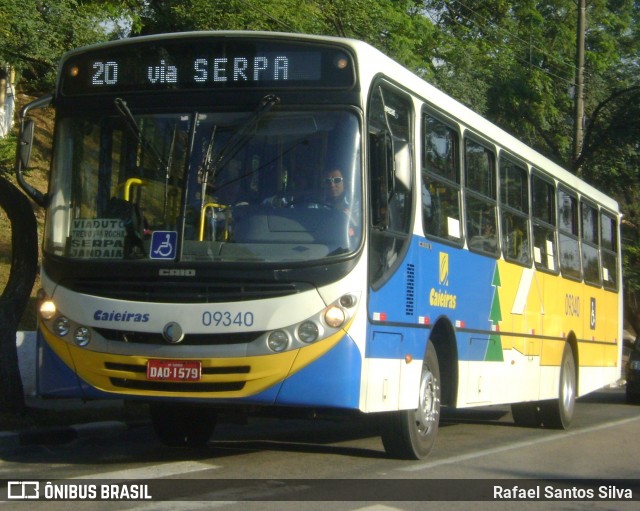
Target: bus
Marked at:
264, 222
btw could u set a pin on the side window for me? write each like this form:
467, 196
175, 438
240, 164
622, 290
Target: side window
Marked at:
568, 234
440, 186
590, 241
391, 183
514, 202
480, 197
543, 208
609, 250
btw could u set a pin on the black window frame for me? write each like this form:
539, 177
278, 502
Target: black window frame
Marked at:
590, 242
485, 202
515, 240
546, 225
571, 236
388, 243
607, 252
433, 182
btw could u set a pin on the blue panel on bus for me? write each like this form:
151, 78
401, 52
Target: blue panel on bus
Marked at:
394, 342
331, 381
54, 378
436, 281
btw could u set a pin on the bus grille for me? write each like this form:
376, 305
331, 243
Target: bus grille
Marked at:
161, 386
189, 339
205, 370
169, 386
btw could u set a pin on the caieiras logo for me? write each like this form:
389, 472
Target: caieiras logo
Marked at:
440, 297
121, 316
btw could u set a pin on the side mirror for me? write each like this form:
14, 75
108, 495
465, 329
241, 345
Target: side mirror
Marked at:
25, 144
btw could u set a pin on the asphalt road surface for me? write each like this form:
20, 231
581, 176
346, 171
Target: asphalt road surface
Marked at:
481, 460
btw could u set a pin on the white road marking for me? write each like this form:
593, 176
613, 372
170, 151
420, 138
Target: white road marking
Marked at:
154, 471
519, 445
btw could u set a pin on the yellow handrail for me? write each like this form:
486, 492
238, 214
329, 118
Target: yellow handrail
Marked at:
132, 181
213, 206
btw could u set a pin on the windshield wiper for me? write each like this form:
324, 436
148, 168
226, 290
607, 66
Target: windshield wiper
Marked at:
212, 165
132, 126
162, 164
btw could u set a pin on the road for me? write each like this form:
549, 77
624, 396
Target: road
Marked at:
272, 461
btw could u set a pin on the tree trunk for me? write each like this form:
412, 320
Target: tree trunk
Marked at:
13, 301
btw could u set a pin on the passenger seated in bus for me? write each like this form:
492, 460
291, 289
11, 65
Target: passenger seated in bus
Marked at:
487, 240
227, 189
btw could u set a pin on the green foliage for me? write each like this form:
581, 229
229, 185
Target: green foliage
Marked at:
513, 62
396, 27
7, 153
34, 34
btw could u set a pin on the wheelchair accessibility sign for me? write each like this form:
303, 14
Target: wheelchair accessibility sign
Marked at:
163, 245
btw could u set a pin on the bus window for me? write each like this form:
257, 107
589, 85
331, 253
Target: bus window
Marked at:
514, 201
591, 261
480, 189
543, 207
609, 250
440, 181
568, 226
390, 145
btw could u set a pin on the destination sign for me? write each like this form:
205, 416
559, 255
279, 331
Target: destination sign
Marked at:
201, 63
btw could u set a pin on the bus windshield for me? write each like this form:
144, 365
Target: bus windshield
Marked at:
261, 186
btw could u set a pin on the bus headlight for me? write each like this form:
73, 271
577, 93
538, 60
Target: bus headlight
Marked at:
278, 341
308, 332
82, 336
61, 326
334, 316
348, 300
47, 309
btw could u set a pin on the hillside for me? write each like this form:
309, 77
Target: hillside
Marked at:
38, 177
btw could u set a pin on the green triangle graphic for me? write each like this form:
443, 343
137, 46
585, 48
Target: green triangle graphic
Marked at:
494, 348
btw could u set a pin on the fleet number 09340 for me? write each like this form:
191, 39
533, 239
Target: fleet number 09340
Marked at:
227, 318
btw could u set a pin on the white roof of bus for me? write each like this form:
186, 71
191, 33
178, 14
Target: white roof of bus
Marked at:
470, 119
372, 62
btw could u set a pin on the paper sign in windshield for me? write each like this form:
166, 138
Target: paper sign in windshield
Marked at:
100, 238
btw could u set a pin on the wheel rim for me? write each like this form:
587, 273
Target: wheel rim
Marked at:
429, 405
568, 389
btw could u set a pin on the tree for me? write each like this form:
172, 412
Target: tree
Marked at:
24, 265
514, 63
34, 34
398, 28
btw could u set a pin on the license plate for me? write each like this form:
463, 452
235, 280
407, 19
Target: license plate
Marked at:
174, 370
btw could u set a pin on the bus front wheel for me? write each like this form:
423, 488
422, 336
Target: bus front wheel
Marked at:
182, 425
411, 434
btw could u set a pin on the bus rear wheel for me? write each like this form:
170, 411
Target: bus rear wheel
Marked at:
554, 413
182, 425
558, 413
411, 434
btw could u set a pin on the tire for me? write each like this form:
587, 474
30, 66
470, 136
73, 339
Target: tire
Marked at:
633, 398
558, 413
411, 434
526, 415
182, 425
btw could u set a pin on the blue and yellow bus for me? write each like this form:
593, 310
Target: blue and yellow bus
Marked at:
243, 220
